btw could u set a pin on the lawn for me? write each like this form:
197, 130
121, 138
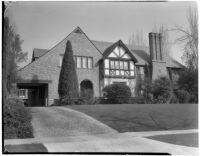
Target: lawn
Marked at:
143, 117
26, 148
190, 139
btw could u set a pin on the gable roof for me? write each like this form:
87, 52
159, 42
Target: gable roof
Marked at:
113, 46
39, 52
80, 41
141, 53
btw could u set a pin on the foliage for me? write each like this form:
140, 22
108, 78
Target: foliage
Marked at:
182, 95
86, 96
188, 81
12, 54
147, 90
16, 119
158, 91
138, 86
68, 82
190, 39
117, 93
162, 90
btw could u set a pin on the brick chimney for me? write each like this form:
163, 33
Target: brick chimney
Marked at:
157, 56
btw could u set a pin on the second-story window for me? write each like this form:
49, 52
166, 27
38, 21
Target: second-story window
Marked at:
119, 68
89, 62
83, 62
80, 61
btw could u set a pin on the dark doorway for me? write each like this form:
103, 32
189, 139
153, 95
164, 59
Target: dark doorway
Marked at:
86, 92
86, 84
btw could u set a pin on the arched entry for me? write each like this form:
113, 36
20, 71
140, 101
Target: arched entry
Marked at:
86, 91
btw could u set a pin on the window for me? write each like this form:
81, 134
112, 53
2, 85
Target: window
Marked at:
78, 59
119, 68
84, 62
121, 64
22, 93
106, 63
112, 64
106, 71
89, 62
125, 65
131, 65
116, 64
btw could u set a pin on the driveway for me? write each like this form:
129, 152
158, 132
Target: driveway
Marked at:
64, 122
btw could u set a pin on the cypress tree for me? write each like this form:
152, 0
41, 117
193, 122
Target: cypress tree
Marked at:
68, 82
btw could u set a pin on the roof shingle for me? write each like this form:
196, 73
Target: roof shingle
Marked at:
142, 54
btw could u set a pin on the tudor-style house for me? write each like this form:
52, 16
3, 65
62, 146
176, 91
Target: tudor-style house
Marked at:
98, 64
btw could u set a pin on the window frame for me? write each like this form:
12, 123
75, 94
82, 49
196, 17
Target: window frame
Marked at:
114, 69
81, 61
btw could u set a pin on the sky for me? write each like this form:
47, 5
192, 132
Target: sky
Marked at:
44, 24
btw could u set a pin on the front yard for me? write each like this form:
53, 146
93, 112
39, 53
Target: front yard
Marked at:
143, 117
190, 139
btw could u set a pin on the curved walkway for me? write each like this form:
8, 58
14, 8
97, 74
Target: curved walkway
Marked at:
62, 122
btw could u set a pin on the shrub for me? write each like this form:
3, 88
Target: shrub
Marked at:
16, 119
162, 90
137, 100
68, 83
86, 96
188, 81
182, 96
117, 93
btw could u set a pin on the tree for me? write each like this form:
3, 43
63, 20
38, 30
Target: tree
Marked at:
190, 39
12, 55
137, 39
68, 82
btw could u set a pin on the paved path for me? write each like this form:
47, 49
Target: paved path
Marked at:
112, 142
62, 121
120, 143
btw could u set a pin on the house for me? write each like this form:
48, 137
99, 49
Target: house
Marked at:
98, 64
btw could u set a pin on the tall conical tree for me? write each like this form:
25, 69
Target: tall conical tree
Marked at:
68, 82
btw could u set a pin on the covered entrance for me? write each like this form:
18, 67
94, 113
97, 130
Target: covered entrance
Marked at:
86, 91
37, 93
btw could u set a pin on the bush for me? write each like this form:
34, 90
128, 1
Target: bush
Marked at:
188, 81
137, 100
182, 96
117, 93
86, 96
162, 90
16, 120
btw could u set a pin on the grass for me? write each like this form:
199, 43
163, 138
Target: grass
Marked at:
143, 117
190, 139
25, 148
